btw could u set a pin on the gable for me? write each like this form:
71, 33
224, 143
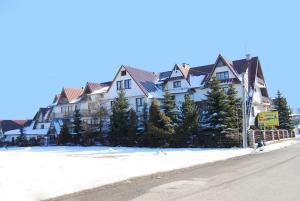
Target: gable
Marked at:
176, 72
62, 98
220, 69
135, 89
221, 65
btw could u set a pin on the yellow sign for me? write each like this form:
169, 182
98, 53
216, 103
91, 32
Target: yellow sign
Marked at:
268, 119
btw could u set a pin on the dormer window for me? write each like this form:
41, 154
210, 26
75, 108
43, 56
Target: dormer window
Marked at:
176, 84
223, 75
123, 72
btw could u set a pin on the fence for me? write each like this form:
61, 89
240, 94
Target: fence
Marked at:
256, 136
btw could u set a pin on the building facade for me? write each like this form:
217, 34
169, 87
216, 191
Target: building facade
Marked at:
142, 86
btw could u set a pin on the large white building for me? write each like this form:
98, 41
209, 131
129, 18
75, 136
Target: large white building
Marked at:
142, 86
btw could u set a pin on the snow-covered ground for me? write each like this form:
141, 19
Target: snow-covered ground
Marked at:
276, 145
43, 172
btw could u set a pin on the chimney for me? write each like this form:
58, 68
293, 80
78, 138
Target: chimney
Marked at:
185, 65
248, 57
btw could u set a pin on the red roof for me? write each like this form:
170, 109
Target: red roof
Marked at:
8, 125
71, 93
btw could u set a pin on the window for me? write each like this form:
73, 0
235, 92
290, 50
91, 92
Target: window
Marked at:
111, 104
139, 103
123, 72
176, 84
223, 75
160, 86
225, 89
127, 84
119, 85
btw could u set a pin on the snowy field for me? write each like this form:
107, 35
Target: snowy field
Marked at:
43, 172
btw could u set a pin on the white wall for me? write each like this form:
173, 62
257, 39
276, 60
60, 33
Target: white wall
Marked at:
134, 91
176, 73
222, 69
184, 85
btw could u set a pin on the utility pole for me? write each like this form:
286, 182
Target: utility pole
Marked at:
244, 107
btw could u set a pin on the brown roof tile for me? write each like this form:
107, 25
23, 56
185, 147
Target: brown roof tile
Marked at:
71, 93
144, 79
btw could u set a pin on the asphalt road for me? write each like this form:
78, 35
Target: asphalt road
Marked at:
271, 176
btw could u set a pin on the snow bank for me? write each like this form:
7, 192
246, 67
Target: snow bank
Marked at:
276, 145
43, 172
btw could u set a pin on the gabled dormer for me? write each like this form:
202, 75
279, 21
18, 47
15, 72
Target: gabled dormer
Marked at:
68, 95
55, 99
223, 70
134, 81
180, 71
179, 77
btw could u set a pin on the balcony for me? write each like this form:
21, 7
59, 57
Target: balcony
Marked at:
261, 83
266, 101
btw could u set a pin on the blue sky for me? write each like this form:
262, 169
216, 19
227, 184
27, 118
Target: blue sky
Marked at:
50, 44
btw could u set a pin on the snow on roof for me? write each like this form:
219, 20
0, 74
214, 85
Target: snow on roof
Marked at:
75, 100
179, 90
30, 130
196, 81
100, 91
158, 94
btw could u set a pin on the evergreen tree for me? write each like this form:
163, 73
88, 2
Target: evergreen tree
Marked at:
154, 114
132, 126
64, 135
234, 112
102, 115
77, 126
159, 126
119, 118
168, 106
155, 133
234, 118
284, 112
216, 116
145, 116
188, 124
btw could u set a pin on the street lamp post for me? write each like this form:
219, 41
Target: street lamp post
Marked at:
244, 107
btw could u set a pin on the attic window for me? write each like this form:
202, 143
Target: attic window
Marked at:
223, 75
176, 84
123, 72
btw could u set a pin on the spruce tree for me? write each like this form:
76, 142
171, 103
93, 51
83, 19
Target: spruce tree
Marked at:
145, 116
155, 135
234, 111
64, 135
284, 112
132, 127
154, 114
188, 124
77, 126
216, 116
102, 115
234, 118
119, 118
168, 106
